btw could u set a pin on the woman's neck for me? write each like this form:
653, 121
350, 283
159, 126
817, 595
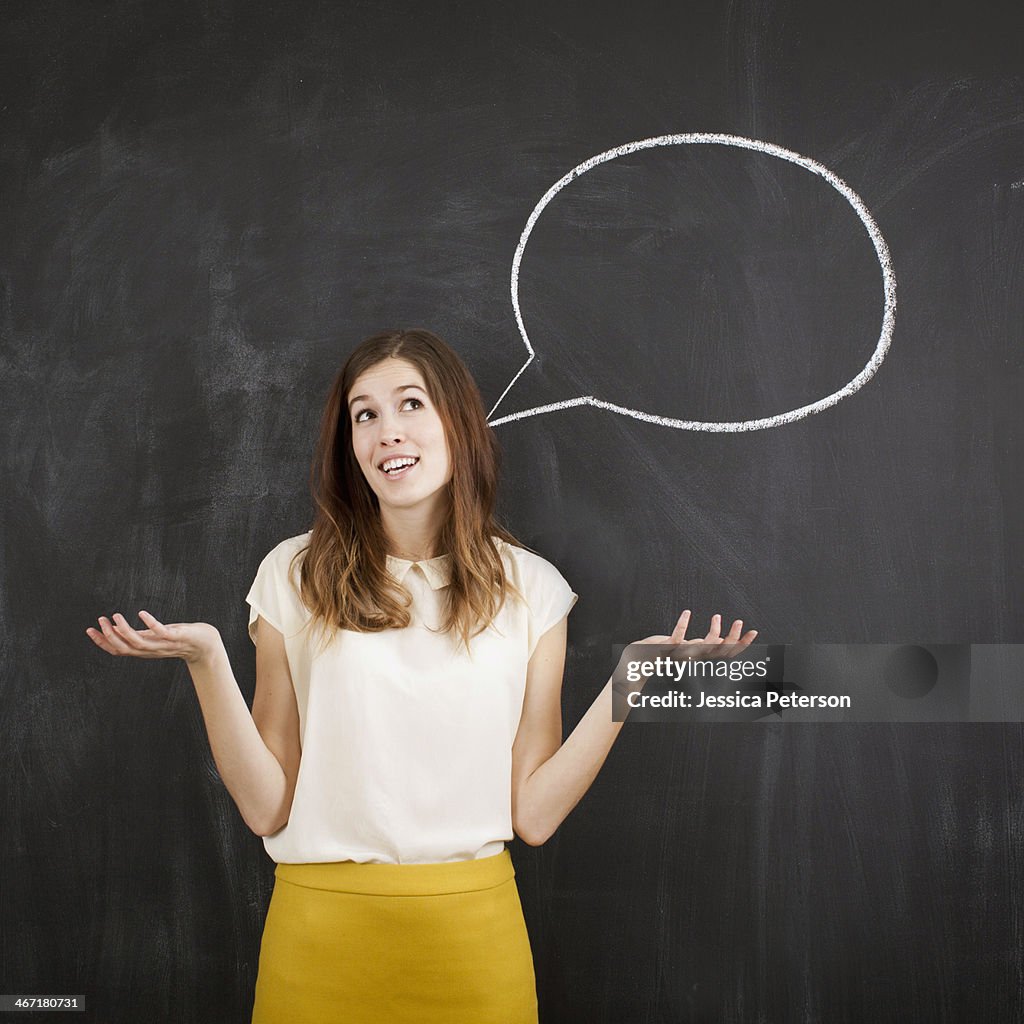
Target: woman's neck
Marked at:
412, 538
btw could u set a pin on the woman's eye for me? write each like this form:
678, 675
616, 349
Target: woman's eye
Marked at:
360, 417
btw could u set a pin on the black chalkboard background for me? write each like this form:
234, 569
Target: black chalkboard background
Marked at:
206, 206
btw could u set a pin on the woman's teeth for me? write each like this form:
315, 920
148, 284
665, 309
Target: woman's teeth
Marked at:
398, 467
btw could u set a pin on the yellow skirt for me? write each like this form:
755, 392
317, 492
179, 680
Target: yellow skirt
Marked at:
396, 943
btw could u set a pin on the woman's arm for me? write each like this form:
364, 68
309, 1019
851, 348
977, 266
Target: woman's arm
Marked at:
549, 777
257, 754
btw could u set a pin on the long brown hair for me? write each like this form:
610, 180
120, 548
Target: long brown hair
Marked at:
344, 580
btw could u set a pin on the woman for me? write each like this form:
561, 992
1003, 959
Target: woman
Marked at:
409, 656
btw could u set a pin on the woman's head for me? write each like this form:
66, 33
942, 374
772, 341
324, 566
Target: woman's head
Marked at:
399, 441
403, 392
407, 393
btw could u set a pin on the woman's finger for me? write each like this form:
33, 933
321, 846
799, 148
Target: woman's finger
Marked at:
716, 626
132, 638
679, 633
156, 626
114, 640
97, 637
748, 638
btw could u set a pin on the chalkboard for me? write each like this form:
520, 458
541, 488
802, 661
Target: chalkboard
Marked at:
207, 206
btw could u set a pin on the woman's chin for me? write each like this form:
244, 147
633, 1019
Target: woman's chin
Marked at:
410, 499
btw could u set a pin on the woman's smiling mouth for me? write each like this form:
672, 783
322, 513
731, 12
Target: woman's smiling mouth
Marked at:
398, 466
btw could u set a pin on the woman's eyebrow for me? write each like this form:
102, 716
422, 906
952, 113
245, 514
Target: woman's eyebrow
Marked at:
401, 387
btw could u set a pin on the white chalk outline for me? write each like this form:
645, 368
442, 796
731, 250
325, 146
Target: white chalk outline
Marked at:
691, 138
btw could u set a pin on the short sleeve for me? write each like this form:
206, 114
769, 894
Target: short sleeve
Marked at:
549, 597
274, 595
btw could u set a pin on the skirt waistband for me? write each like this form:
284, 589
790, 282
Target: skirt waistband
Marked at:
401, 879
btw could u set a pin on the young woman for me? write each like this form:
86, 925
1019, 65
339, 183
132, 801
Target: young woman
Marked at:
407, 715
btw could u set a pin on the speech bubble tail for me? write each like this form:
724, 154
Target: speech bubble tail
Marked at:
537, 410
511, 384
533, 410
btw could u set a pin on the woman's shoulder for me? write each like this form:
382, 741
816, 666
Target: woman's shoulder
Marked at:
548, 594
296, 543
284, 551
526, 565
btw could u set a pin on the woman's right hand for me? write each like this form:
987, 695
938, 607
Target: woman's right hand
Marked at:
191, 641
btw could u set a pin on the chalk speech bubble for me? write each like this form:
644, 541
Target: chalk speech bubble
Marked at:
703, 138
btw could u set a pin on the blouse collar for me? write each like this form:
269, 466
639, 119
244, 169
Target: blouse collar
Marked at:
438, 571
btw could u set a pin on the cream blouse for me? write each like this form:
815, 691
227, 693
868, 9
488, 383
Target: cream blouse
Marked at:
406, 740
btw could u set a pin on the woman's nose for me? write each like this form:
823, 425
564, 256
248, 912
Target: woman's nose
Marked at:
389, 432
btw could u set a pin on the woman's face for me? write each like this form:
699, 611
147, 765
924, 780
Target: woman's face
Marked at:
393, 417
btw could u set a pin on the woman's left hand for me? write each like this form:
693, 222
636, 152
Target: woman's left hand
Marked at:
714, 645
